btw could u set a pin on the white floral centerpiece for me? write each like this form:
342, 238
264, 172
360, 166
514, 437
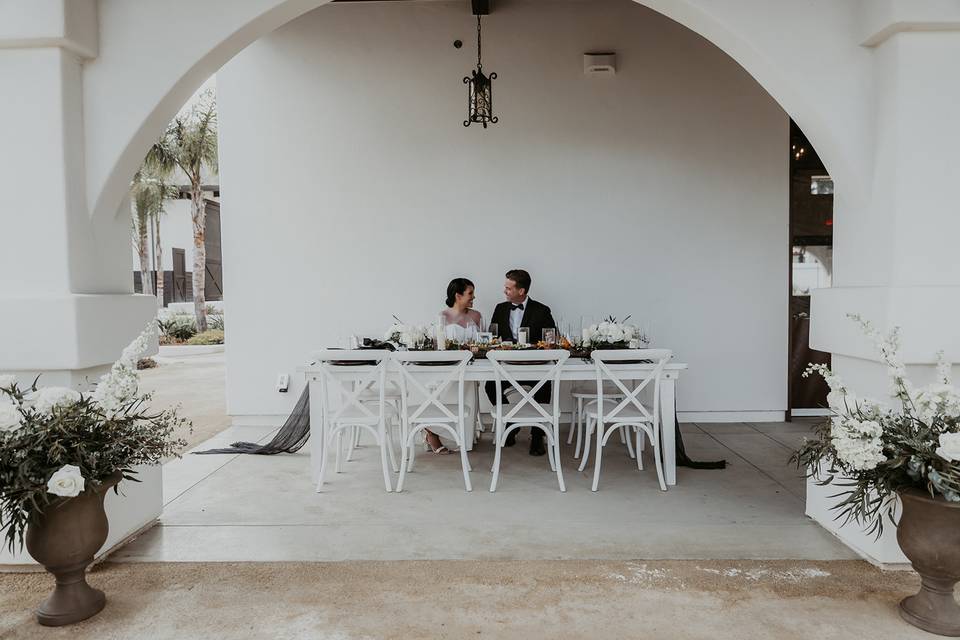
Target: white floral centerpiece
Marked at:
56, 443
611, 333
406, 335
873, 450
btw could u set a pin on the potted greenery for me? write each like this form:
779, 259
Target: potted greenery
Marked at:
878, 453
60, 452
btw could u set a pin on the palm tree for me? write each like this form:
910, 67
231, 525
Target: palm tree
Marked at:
147, 192
190, 144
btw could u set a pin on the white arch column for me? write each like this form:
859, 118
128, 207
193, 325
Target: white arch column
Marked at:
66, 303
896, 256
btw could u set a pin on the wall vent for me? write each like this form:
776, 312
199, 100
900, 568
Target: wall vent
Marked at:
600, 64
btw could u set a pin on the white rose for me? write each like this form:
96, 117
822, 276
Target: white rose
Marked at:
46, 399
67, 482
628, 332
949, 448
603, 327
7, 381
615, 332
9, 417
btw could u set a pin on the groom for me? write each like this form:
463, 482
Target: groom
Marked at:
520, 310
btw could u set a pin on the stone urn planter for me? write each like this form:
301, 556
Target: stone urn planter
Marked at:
929, 534
64, 538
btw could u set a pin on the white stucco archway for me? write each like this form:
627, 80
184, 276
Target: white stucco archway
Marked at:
871, 83
120, 126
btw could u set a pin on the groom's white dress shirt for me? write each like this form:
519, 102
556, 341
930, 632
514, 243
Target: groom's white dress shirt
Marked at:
516, 317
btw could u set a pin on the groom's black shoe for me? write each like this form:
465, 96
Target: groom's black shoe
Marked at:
511, 439
536, 442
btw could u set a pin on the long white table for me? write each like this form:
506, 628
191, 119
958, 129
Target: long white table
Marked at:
574, 369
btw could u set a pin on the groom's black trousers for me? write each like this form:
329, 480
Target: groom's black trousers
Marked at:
542, 395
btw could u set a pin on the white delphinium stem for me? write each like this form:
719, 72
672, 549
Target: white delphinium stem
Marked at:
888, 346
944, 369
118, 388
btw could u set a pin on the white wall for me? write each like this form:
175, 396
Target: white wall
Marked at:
355, 193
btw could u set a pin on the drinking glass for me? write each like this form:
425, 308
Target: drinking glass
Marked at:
550, 336
523, 336
494, 329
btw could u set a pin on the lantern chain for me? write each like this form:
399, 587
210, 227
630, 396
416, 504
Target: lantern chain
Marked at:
479, 65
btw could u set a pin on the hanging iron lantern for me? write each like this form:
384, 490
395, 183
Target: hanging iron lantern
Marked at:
479, 92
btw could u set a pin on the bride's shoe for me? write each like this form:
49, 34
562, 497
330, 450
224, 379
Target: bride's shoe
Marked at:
442, 450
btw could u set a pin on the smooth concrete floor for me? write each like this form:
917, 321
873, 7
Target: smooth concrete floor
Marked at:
196, 384
265, 508
528, 600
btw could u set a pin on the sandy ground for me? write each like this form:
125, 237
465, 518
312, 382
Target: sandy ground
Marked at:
197, 384
678, 600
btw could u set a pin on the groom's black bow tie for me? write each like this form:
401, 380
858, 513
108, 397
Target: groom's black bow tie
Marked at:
516, 306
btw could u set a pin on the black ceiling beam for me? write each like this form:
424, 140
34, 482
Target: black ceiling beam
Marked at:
481, 7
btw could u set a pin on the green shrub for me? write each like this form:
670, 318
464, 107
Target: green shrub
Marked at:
211, 336
178, 327
215, 321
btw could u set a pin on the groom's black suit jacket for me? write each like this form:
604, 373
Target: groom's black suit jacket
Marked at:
536, 315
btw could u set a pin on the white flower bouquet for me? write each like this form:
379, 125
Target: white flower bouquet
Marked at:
611, 333
873, 450
56, 443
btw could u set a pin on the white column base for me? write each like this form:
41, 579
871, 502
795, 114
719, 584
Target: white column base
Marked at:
882, 551
135, 508
926, 316
71, 331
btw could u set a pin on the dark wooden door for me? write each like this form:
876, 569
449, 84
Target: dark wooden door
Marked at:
213, 287
179, 275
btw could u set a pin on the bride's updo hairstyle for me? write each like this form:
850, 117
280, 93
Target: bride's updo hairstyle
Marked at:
457, 286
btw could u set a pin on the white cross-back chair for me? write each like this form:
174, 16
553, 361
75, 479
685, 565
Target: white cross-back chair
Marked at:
425, 376
347, 379
371, 395
584, 393
391, 396
606, 415
536, 368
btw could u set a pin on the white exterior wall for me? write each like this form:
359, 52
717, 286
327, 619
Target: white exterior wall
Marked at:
871, 82
618, 194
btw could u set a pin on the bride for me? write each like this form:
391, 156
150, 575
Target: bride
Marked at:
463, 323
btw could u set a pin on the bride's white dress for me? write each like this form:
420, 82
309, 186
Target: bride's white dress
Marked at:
463, 329
460, 333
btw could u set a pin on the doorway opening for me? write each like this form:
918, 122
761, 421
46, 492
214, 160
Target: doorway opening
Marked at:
811, 267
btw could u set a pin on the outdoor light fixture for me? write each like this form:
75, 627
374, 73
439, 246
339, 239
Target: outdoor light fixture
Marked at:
479, 90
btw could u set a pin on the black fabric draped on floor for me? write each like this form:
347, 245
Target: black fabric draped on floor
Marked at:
289, 439
296, 431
